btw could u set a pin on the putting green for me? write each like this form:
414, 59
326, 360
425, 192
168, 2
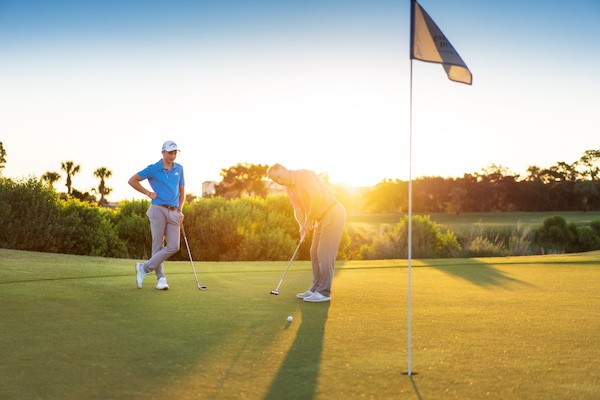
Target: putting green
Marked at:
516, 327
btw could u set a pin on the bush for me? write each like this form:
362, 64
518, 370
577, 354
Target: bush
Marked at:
481, 246
246, 228
33, 218
587, 239
354, 242
496, 242
29, 215
595, 225
88, 230
519, 244
558, 236
428, 241
133, 228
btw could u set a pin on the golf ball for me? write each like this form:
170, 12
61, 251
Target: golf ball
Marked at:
290, 318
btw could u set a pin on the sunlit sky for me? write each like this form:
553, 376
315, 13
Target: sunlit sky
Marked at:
316, 84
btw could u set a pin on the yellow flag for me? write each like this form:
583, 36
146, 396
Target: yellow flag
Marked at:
428, 43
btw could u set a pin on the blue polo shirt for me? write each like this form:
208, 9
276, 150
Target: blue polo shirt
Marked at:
164, 182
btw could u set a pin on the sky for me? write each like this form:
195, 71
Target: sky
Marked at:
314, 84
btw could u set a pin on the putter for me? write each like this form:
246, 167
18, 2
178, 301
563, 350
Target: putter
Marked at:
187, 245
276, 291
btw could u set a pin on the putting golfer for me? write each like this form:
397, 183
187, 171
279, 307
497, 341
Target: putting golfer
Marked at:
168, 194
315, 207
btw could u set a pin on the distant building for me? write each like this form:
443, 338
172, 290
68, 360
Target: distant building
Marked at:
208, 188
273, 188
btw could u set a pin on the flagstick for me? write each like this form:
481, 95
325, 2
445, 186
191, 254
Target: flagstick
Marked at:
426, 53
409, 303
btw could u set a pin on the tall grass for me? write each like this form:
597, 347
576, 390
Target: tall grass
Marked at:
497, 242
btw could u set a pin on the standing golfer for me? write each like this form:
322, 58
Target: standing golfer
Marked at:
168, 194
315, 206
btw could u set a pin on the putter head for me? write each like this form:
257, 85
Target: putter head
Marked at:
202, 287
275, 292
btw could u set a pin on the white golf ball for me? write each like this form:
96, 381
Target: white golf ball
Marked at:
290, 318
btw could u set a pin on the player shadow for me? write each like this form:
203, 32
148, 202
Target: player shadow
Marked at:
299, 373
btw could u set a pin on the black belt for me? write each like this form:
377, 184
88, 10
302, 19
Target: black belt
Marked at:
169, 207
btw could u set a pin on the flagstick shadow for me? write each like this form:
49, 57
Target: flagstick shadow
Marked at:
414, 385
298, 375
478, 272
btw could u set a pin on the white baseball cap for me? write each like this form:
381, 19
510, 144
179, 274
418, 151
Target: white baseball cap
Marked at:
170, 145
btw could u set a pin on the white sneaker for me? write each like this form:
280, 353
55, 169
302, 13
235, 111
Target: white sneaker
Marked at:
305, 294
317, 298
140, 274
162, 284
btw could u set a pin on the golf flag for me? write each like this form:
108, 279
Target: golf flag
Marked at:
428, 43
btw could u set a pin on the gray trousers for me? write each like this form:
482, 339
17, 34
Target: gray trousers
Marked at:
323, 250
164, 226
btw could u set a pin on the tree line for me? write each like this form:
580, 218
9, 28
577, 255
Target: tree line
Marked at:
564, 186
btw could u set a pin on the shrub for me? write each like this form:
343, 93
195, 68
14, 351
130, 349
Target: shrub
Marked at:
428, 241
33, 218
595, 225
86, 229
587, 239
519, 244
246, 228
556, 236
448, 245
133, 228
496, 242
354, 243
29, 216
481, 246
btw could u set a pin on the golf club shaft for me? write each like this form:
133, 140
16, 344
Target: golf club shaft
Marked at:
288, 266
187, 245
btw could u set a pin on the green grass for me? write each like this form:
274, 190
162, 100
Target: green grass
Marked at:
468, 221
505, 328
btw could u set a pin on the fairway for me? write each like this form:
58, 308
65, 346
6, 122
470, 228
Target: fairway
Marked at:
503, 328
465, 222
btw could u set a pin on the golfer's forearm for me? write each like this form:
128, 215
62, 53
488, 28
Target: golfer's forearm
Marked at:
300, 216
181, 197
134, 183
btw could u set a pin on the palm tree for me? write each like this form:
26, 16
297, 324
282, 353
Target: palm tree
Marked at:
51, 177
2, 157
71, 170
103, 173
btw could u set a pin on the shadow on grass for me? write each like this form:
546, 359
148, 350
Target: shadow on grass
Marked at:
414, 385
478, 272
299, 373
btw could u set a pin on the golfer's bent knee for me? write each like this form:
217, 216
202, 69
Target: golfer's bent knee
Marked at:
172, 250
